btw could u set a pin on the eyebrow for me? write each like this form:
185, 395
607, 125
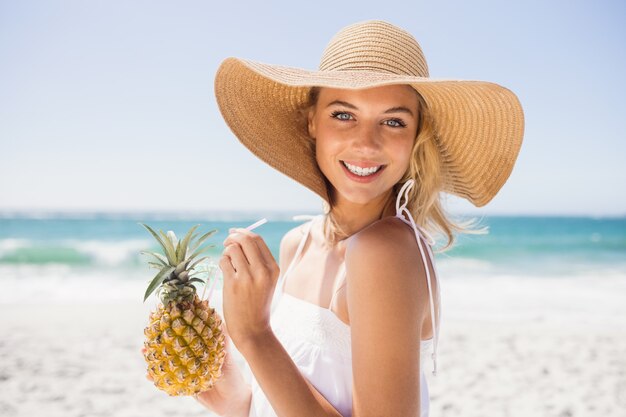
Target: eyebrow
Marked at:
398, 109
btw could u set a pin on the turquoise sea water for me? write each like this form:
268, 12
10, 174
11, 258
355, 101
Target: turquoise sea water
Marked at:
535, 246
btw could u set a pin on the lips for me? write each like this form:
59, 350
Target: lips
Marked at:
362, 171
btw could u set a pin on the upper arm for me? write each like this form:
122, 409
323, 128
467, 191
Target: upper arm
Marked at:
387, 301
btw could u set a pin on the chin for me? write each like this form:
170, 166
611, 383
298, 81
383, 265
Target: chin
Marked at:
361, 197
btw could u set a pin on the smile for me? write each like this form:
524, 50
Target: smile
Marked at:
362, 171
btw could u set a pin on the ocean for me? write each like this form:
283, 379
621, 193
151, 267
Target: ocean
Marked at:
66, 255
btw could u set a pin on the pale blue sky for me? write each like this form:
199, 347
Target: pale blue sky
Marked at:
108, 105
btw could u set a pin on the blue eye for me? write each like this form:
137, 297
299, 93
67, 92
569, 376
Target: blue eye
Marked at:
340, 115
396, 123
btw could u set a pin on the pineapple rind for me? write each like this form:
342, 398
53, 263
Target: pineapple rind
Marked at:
182, 360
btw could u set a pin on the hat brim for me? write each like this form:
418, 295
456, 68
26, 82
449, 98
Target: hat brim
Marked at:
479, 125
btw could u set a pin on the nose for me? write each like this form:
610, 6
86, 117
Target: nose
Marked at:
367, 138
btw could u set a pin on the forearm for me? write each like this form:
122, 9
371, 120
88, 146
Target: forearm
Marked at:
289, 393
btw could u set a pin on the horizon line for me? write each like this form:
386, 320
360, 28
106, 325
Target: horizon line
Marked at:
230, 214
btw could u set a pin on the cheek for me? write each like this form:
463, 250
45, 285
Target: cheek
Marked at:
403, 156
401, 149
326, 146
323, 154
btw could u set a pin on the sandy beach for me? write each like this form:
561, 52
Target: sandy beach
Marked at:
504, 351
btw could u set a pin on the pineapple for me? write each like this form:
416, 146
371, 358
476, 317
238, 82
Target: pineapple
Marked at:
184, 345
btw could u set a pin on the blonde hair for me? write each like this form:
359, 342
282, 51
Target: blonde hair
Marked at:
424, 199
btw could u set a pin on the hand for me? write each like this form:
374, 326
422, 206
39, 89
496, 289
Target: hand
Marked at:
250, 275
230, 396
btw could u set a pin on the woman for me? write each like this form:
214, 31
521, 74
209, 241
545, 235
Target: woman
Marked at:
356, 305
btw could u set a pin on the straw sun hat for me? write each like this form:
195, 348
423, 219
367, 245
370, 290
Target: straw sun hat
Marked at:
478, 125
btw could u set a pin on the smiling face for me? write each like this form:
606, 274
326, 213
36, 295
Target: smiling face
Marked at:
363, 140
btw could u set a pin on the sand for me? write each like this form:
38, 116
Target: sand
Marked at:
508, 348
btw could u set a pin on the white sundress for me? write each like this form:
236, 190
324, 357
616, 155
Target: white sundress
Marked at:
319, 342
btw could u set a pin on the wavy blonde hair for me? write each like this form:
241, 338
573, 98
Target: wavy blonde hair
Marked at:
424, 199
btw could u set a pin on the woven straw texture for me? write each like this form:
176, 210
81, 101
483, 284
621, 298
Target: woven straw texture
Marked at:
479, 125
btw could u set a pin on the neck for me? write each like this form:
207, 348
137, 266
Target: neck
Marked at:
353, 217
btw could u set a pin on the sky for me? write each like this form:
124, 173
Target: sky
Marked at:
109, 105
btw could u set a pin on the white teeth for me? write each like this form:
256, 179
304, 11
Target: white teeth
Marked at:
362, 172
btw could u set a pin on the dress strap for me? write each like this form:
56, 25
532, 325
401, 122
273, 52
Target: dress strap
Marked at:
281, 280
340, 282
420, 235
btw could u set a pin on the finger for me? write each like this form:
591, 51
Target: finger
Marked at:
228, 272
229, 276
249, 245
227, 342
264, 250
225, 329
229, 241
237, 258
266, 253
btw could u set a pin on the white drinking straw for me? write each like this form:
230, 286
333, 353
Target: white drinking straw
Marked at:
213, 276
206, 283
257, 224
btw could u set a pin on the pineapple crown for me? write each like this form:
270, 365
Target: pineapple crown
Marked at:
174, 281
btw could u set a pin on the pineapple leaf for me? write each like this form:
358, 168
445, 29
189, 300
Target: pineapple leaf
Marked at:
199, 251
181, 250
158, 257
202, 239
161, 242
158, 279
169, 248
192, 246
195, 275
196, 262
155, 235
155, 265
176, 250
196, 280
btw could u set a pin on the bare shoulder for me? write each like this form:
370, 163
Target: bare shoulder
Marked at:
289, 244
384, 266
386, 241
389, 230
